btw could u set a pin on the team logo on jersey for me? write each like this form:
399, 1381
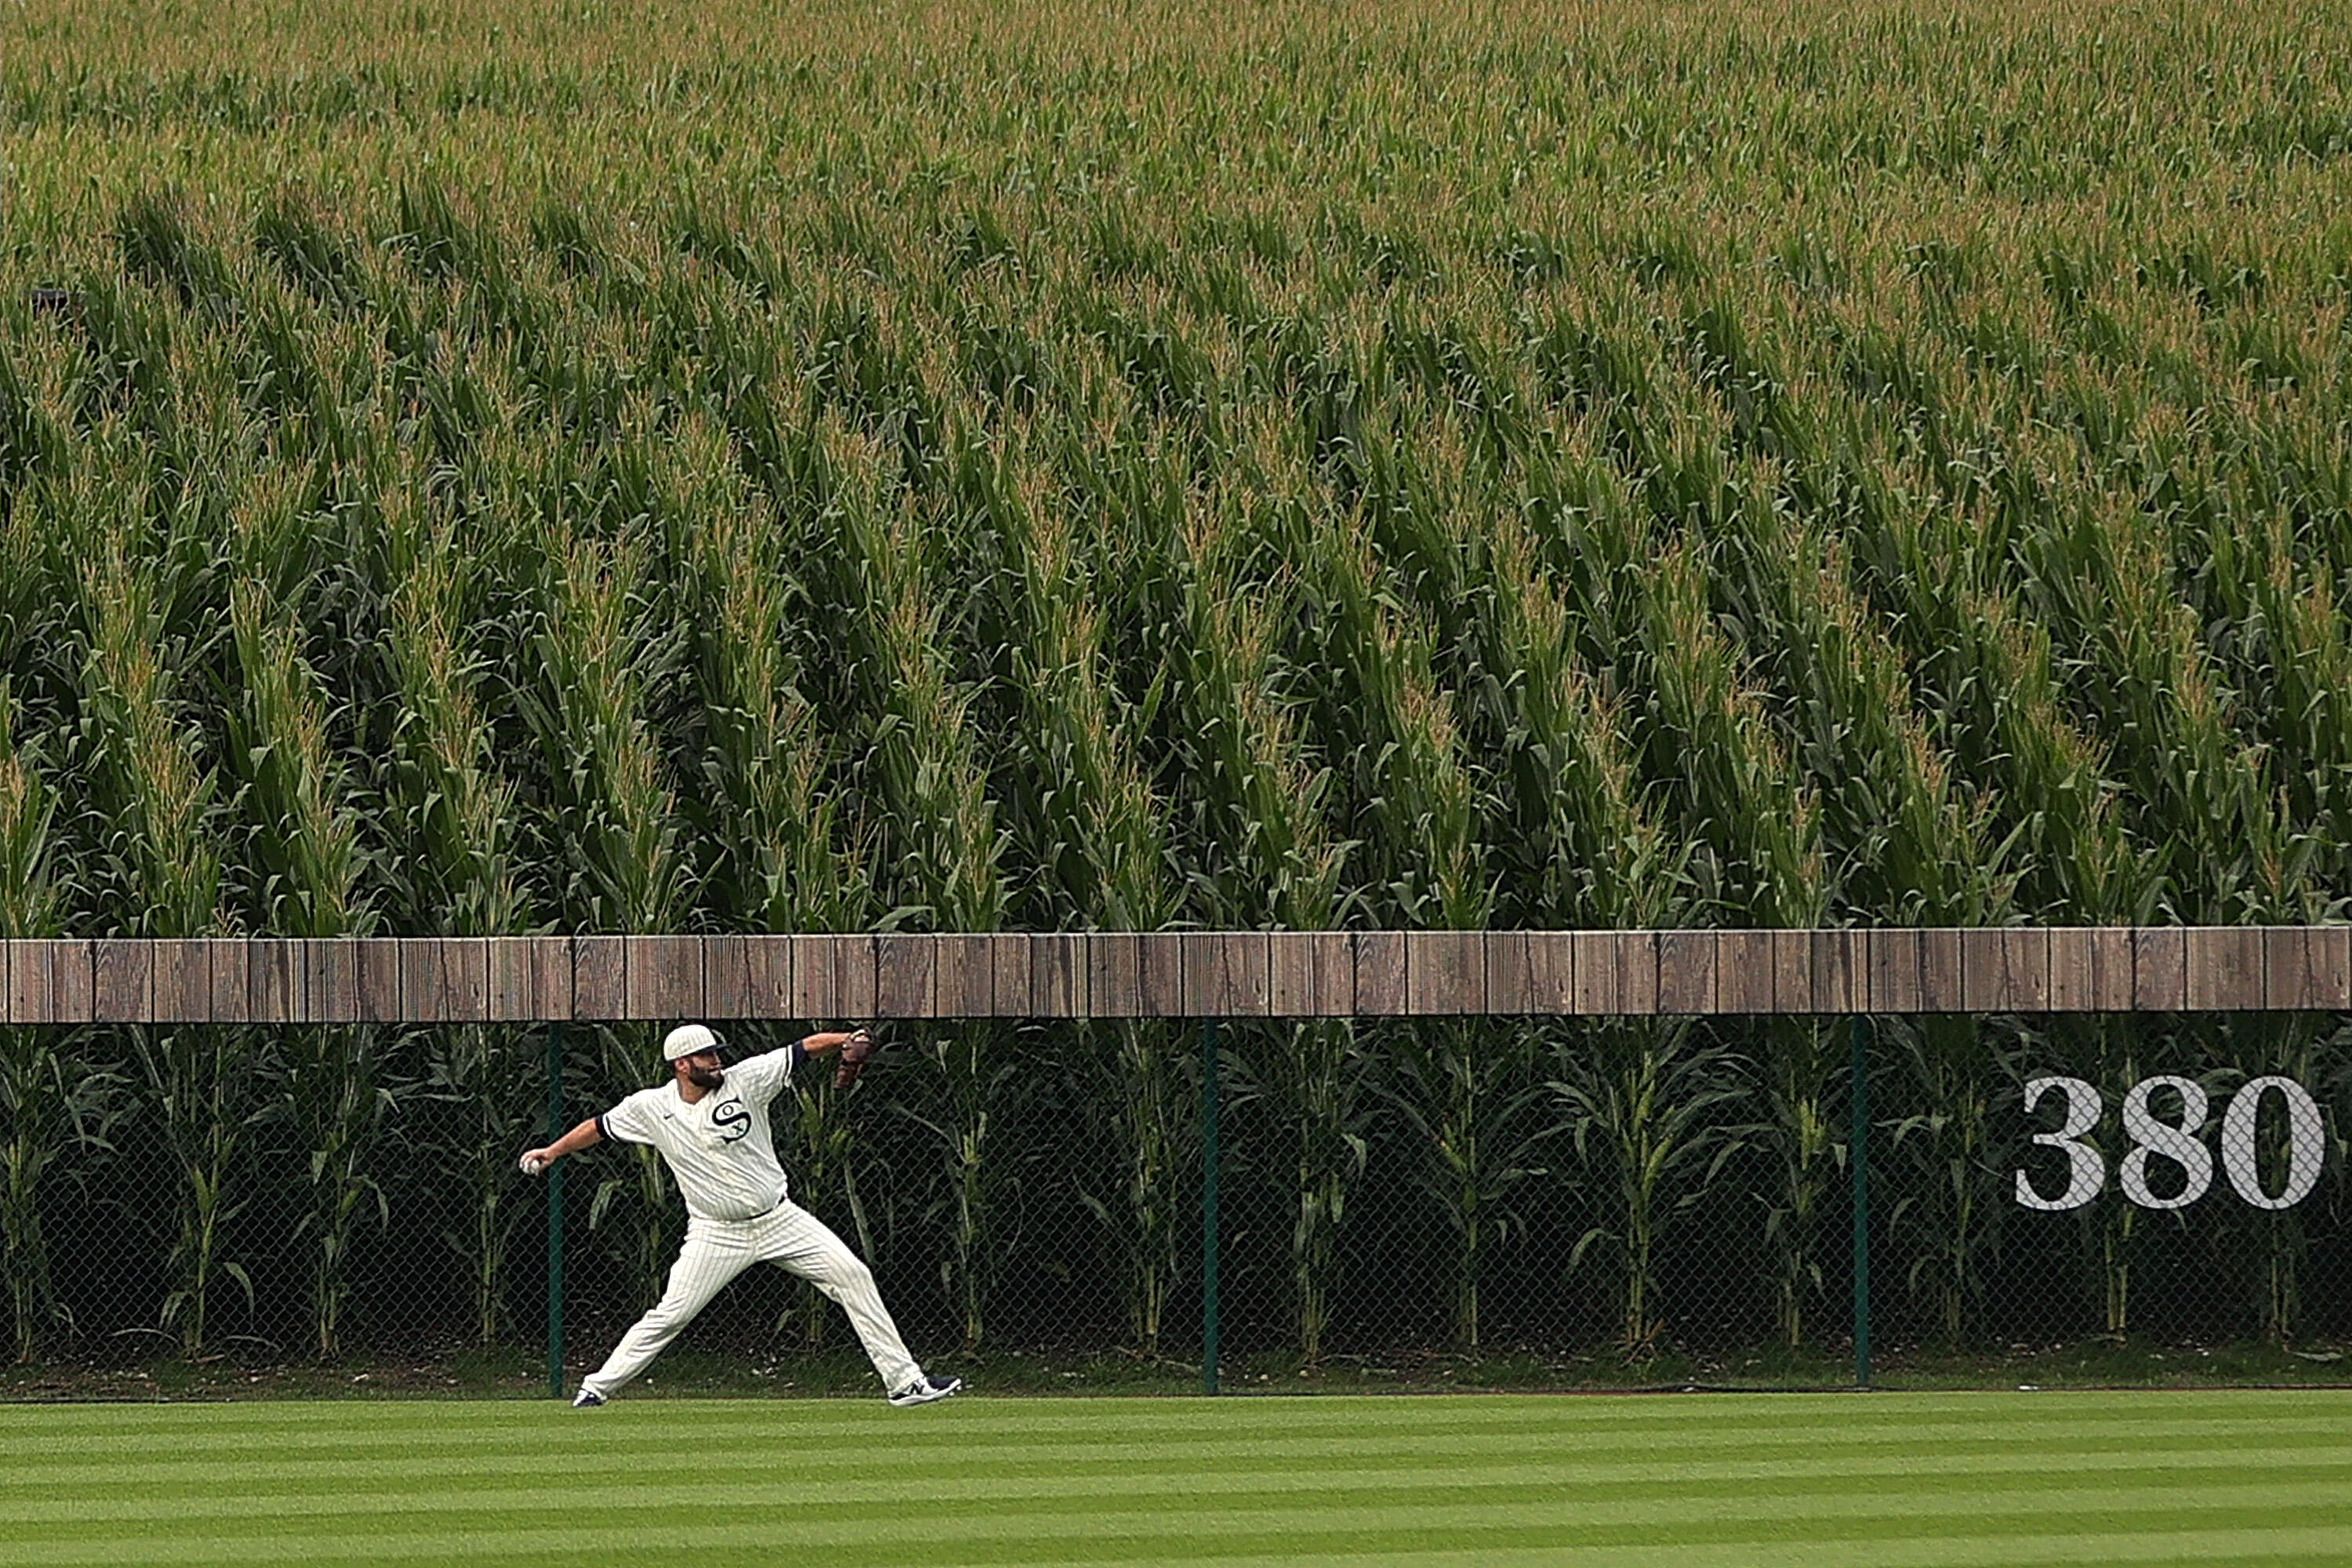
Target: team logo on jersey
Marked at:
732, 1121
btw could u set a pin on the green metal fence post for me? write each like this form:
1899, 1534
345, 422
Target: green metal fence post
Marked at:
1859, 1092
555, 1215
1209, 1206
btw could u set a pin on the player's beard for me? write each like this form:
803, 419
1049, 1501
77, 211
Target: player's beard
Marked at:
707, 1078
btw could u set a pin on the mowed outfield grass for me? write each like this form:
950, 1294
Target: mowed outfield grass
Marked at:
1819, 1481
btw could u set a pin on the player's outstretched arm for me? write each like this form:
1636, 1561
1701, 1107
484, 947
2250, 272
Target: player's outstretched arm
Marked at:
535, 1161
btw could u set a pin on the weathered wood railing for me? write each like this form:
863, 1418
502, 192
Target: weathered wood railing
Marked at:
1224, 975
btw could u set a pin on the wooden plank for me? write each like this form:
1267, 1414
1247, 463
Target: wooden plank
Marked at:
430, 992
811, 975
1292, 964
1379, 961
1743, 972
331, 979
1980, 971
1310, 974
224, 959
1009, 958
377, 981
1445, 974
964, 976
509, 992
2005, 969
420, 980
73, 981
1509, 985
1202, 964
1839, 986
906, 975
2225, 969
1890, 969
1595, 973
1248, 985
1159, 975
182, 982
727, 977
275, 991
2074, 977
1114, 975
2307, 968
2025, 967
1636, 953
600, 977
320, 978
554, 973
465, 979
2111, 969
2159, 969
767, 975
123, 974
1942, 986
1552, 973
1687, 972
27, 964
856, 975
1057, 976
2090, 969
663, 976
1225, 974
1792, 972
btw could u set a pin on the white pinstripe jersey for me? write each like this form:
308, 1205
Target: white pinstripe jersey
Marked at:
720, 1148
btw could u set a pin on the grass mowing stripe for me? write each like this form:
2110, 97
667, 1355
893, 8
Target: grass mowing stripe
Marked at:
1794, 1419
1467, 1504
621, 1430
1450, 1412
1934, 1540
2013, 1466
1425, 1482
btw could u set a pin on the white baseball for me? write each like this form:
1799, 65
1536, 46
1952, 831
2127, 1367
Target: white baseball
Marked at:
532, 1166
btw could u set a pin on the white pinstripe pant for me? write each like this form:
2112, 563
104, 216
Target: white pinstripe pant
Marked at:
717, 1250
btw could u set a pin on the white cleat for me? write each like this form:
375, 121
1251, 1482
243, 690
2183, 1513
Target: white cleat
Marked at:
924, 1390
586, 1399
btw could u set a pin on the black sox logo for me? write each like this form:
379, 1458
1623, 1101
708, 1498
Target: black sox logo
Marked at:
732, 1119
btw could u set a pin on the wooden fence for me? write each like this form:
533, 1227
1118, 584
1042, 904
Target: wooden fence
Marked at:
1202, 974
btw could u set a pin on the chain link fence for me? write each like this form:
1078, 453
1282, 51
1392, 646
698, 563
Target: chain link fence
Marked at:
1556, 1202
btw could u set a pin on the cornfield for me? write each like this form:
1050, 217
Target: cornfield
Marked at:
605, 467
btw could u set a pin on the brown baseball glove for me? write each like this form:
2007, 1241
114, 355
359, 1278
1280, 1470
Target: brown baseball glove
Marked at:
854, 1052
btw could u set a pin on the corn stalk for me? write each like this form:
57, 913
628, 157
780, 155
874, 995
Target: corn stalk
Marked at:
1265, 794
1098, 838
941, 839
615, 809
160, 794
55, 1108
330, 1093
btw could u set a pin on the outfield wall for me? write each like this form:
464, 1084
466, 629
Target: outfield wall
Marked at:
1195, 974
1599, 1151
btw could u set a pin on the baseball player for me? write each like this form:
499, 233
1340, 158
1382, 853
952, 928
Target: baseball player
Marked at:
710, 1123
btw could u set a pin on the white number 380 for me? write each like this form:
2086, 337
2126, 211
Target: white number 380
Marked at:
2176, 1144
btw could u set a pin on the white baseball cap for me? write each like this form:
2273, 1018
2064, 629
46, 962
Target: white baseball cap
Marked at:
688, 1040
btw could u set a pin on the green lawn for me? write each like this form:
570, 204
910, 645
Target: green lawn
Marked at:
1816, 1480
